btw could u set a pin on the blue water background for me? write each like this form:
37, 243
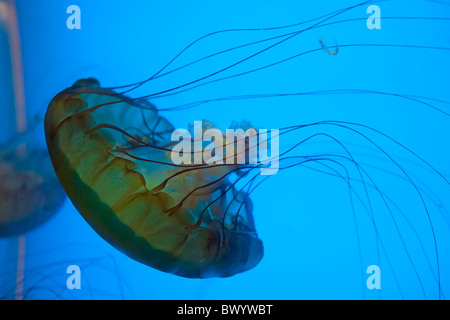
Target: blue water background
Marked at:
315, 245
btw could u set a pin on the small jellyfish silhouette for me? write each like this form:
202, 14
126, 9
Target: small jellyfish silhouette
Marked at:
111, 154
30, 193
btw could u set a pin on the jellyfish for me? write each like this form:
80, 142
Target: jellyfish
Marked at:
29, 189
389, 185
118, 182
30, 193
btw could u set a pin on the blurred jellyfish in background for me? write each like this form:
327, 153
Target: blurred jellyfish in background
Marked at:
30, 193
48, 274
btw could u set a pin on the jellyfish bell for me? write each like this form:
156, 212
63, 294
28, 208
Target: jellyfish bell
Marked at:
111, 154
30, 193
